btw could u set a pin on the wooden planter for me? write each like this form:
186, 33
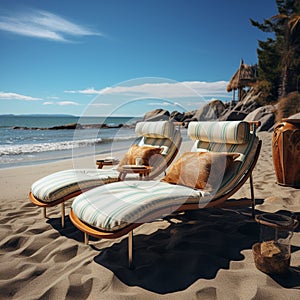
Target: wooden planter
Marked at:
286, 152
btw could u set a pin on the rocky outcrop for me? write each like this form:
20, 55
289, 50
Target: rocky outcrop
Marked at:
157, 115
60, 127
242, 108
177, 116
247, 109
72, 126
67, 126
210, 111
264, 114
233, 115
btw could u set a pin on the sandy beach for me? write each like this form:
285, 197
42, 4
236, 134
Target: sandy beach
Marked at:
204, 254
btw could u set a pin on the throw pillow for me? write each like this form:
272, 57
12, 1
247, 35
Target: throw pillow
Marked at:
201, 170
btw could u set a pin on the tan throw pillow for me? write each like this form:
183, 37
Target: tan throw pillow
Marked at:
146, 153
201, 170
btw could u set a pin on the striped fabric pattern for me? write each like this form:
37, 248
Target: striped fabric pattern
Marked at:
61, 184
122, 203
113, 207
233, 132
162, 129
247, 149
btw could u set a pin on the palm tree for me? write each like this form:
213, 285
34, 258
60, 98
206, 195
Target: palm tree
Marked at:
286, 26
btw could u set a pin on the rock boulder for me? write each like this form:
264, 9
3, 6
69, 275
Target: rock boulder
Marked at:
264, 114
157, 115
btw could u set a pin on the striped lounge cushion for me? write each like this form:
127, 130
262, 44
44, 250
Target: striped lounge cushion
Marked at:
229, 132
63, 183
161, 129
161, 134
227, 136
116, 205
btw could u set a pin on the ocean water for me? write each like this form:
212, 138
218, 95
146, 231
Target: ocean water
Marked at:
34, 143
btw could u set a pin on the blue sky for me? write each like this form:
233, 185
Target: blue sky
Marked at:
127, 57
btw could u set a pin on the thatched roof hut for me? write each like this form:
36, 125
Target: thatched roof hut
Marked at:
244, 76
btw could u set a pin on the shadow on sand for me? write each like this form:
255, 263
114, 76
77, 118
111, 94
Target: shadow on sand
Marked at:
196, 245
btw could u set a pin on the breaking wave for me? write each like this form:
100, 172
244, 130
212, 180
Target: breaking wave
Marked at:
50, 146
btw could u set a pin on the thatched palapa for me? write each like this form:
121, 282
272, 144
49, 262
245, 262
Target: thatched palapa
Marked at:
244, 76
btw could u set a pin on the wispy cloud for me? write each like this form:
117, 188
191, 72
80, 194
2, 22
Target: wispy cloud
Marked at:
15, 96
62, 103
185, 89
88, 91
44, 25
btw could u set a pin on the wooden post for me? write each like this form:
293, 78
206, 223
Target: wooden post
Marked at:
86, 238
130, 249
63, 214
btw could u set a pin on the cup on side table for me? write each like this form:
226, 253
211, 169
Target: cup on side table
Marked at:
138, 161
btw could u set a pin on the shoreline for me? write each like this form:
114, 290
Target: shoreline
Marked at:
202, 255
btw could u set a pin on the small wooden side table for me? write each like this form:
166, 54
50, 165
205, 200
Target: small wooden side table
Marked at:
143, 171
103, 162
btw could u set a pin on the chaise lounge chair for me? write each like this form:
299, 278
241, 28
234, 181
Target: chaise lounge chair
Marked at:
114, 210
152, 137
